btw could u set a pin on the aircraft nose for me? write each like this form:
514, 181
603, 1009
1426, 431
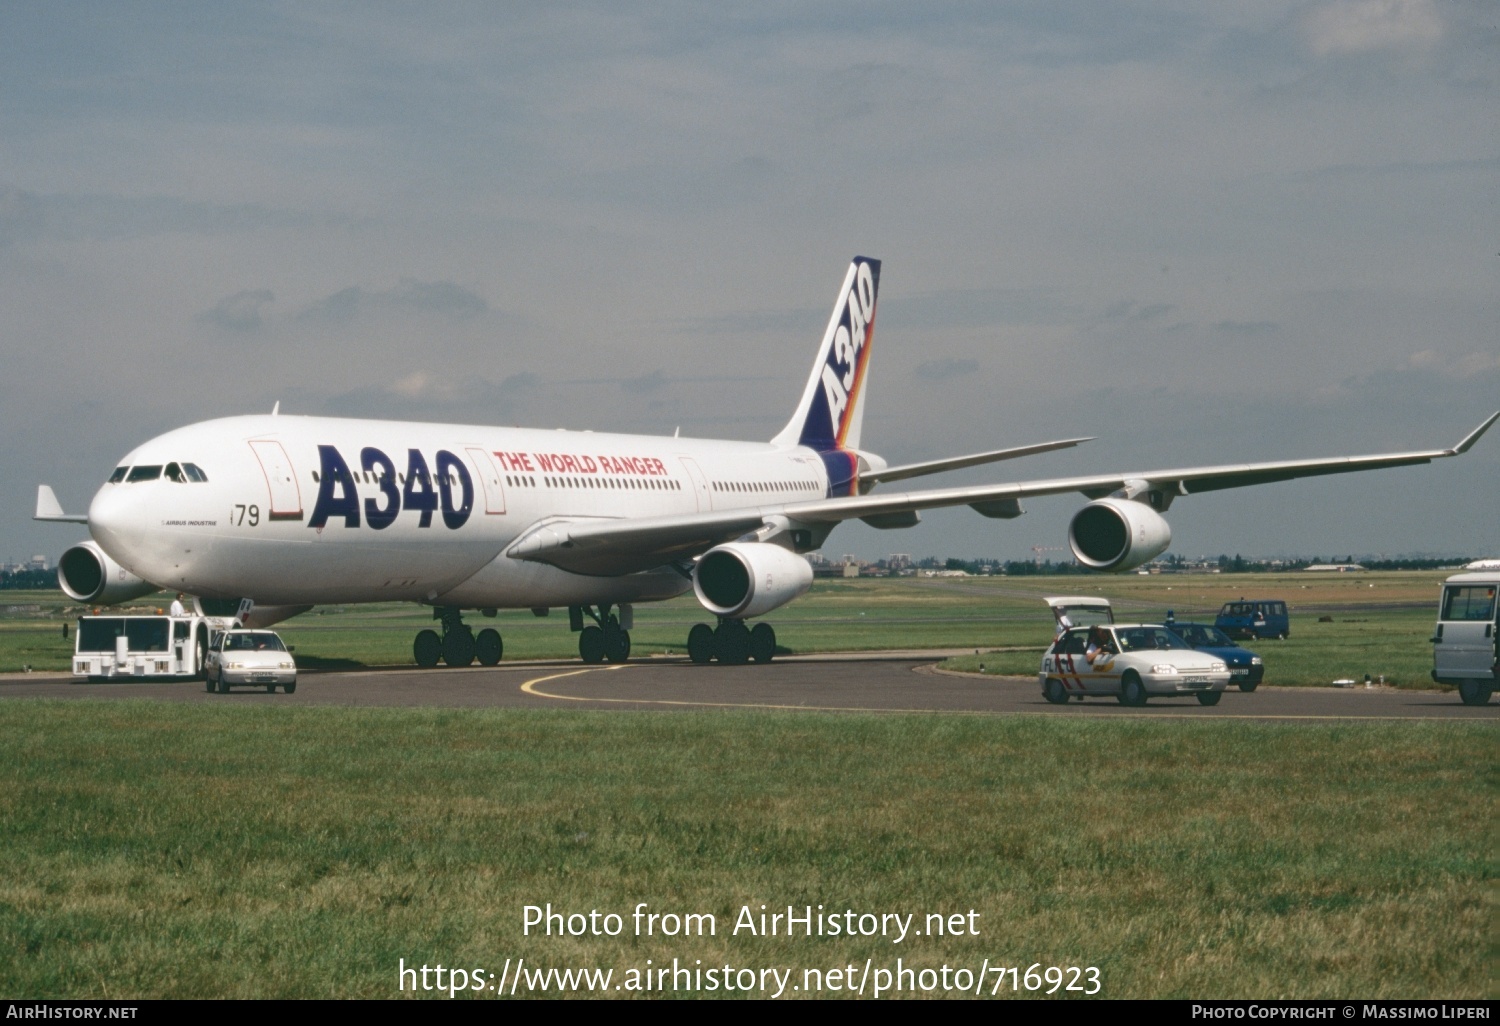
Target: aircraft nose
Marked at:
116, 521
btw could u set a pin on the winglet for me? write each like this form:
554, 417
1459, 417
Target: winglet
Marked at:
1468, 443
48, 508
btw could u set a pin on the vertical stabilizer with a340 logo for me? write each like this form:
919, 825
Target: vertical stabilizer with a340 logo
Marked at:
831, 412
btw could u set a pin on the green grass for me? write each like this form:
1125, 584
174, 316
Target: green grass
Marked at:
191, 851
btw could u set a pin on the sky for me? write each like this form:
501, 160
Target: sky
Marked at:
1202, 233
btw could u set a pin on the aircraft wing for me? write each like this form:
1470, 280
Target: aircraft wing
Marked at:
612, 547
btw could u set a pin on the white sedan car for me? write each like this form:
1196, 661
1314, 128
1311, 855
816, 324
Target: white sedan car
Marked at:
250, 659
1132, 662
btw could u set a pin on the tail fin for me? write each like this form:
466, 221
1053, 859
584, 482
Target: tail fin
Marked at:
832, 409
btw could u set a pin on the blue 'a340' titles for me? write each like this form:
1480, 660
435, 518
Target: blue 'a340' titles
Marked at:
275, 514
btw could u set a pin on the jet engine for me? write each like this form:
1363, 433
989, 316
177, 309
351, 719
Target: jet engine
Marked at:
740, 579
1118, 534
86, 574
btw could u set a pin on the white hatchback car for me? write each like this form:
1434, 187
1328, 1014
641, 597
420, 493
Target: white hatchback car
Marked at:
1131, 662
241, 658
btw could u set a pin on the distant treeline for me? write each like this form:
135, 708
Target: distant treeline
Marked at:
1240, 565
27, 580
1225, 564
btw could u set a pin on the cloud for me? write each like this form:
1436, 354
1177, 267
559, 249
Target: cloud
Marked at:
422, 395
808, 320
1247, 327
444, 298
653, 382
1361, 26
938, 370
977, 308
240, 312
31, 217
1126, 309
1471, 365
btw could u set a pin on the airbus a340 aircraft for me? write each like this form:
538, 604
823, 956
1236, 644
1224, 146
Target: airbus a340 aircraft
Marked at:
294, 511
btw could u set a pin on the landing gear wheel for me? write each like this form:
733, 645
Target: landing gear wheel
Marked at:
1132, 691
488, 647
616, 645
1473, 692
1054, 692
427, 649
701, 644
591, 645
732, 643
763, 643
458, 647
1209, 697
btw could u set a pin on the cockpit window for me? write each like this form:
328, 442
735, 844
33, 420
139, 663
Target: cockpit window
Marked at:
195, 473
118, 475
150, 473
174, 473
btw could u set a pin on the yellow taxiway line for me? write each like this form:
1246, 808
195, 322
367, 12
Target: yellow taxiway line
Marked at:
530, 688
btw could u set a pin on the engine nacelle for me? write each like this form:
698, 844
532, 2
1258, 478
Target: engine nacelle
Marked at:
86, 574
1118, 534
740, 579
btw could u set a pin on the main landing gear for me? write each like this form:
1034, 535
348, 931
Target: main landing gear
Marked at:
458, 645
731, 643
604, 639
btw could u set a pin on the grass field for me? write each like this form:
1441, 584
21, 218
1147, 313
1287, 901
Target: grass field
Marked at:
194, 851
1380, 622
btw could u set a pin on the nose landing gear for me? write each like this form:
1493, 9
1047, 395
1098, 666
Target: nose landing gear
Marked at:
458, 645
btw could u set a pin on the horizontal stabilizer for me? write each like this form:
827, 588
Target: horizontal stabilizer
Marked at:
959, 462
48, 508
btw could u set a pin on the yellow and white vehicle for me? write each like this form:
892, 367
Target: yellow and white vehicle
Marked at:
1131, 662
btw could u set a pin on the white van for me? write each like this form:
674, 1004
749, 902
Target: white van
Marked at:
1463, 646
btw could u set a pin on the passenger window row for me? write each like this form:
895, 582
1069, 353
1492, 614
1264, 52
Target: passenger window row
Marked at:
764, 486
641, 484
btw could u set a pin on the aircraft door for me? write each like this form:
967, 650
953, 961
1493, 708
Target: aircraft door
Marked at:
701, 492
489, 479
281, 480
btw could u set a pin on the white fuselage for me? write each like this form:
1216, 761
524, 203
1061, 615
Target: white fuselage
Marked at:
299, 510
